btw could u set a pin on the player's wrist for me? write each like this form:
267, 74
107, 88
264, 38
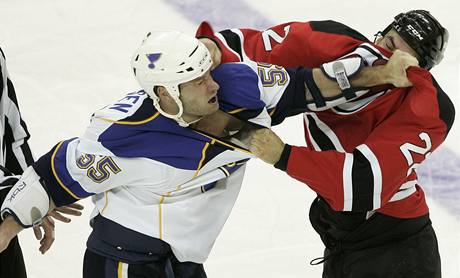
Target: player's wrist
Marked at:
10, 227
284, 158
386, 74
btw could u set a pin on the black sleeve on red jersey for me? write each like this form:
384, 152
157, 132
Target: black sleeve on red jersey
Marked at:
323, 141
333, 27
363, 183
446, 107
233, 41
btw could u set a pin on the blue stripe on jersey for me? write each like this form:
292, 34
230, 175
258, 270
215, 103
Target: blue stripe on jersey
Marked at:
161, 139
234, 166
62, 174
238, 87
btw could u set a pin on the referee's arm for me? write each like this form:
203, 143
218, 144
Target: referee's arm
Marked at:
16, 153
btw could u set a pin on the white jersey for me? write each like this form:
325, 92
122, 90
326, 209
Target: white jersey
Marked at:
149, 175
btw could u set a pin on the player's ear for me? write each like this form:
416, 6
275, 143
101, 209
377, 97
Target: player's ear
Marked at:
161, 92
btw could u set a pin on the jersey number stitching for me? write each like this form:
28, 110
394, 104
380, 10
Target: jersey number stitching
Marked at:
267, 34
407, 149
101, 171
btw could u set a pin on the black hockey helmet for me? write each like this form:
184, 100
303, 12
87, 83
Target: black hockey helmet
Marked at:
423, 33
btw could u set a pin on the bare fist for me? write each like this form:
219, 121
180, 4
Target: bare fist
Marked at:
266, 145
396, 68
214, 50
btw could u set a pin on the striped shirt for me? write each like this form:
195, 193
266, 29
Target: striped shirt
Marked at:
15, 152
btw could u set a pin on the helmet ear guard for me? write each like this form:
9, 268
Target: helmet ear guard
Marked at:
423, 33
175, 95
168, 59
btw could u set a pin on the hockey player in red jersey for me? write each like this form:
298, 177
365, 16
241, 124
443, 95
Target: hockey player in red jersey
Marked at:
360, 157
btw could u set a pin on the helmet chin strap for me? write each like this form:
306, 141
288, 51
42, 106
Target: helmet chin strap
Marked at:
192, 122
177, 117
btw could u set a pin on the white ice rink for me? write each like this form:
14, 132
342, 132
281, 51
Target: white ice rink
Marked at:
68, 58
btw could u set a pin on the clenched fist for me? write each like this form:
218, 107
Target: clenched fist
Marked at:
266, 145
216, 54
396, 68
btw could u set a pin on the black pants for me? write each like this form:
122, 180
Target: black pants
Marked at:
378, 246
11, 260
414, 257
97, 266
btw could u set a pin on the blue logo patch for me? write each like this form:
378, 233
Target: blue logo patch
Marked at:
153, 58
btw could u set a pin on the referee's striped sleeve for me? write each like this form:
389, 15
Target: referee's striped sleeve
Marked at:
15, 153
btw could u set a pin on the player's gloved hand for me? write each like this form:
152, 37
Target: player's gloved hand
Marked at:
266, 145
396, 67
216, 54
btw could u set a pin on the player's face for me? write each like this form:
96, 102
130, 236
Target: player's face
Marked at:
392, 41
199, 97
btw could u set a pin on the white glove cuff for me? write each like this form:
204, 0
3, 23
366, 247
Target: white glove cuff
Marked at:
28, 202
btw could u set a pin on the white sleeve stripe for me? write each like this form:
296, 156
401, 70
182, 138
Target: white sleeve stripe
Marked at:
240, 34
355, 106
376, 171
19, 154
313, 142
19, 133
328, 132
222, 39
347, 183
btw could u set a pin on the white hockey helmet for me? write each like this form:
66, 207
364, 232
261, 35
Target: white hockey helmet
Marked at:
168, 59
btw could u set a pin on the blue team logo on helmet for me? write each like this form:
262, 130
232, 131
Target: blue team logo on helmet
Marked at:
153, 58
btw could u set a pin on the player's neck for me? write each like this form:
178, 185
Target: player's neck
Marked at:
215, 124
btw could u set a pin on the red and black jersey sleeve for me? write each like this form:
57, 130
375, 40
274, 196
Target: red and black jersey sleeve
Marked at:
291, 44
380, 170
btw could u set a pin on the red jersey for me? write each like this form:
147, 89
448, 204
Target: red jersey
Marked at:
360, 156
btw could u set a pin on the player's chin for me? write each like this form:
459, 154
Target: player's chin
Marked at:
210, 109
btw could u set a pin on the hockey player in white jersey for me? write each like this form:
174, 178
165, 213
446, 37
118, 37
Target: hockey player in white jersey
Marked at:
160, 164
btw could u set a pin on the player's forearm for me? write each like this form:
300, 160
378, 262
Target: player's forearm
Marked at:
334, 78
366, 78
8, 230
